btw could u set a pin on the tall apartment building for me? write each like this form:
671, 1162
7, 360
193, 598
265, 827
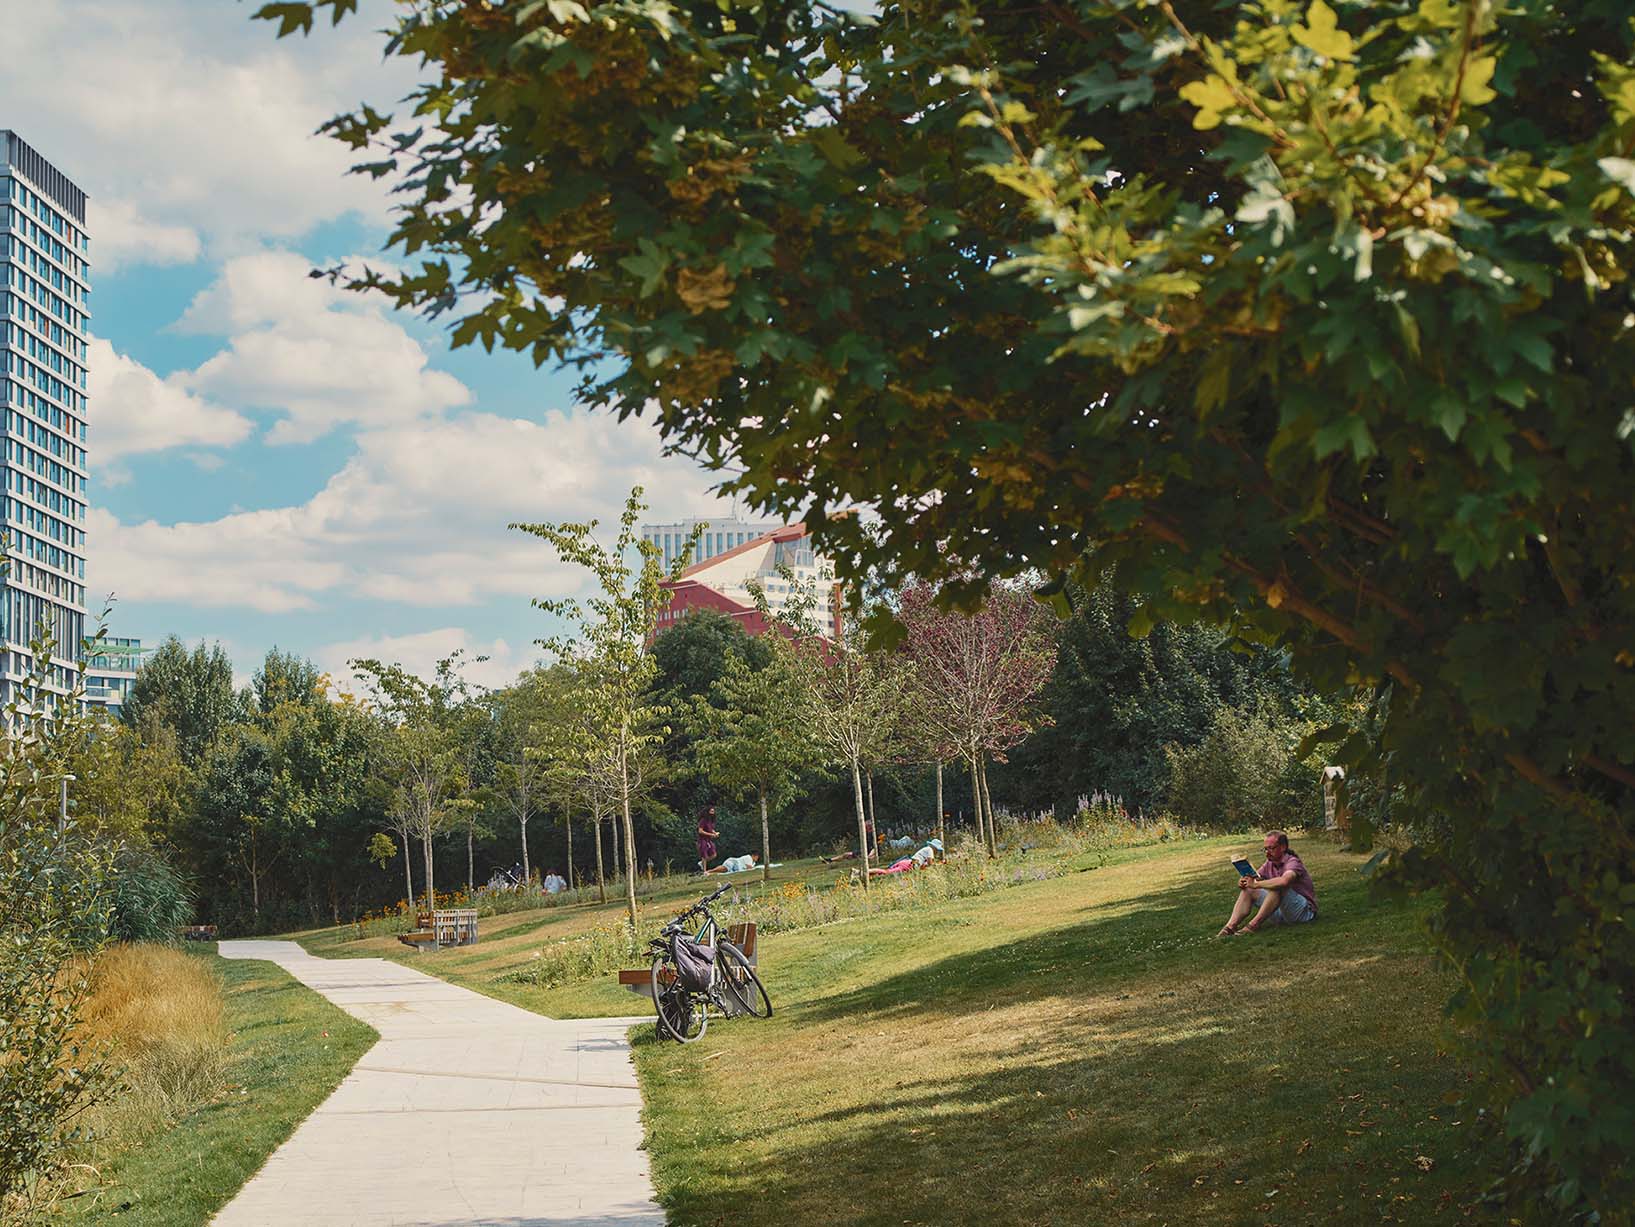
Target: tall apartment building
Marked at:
44, 286
717, 538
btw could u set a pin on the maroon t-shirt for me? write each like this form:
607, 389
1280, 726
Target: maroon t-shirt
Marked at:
1302, 880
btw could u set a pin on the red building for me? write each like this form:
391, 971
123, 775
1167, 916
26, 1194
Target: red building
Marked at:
723, 582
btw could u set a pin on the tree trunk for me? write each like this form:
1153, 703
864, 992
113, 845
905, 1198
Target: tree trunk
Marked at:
471, 867
629, 860
766, 841
870, 793
601, 880
976, 804
408, 870
431, 888
940, 838
862, 824
567, 821
617, 831
255, 878
527, 875
987, 804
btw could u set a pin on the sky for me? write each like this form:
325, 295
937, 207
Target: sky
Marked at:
274, 461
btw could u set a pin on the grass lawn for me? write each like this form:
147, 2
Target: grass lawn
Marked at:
1076, 1050
1056, 1052
508, 941
289, 1049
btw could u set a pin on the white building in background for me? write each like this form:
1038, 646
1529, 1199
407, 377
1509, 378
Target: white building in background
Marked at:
110, 672
717, 537
44, 287
770, 561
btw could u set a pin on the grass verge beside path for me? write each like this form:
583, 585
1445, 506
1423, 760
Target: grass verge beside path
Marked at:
288, 1049
1081, 1050
1068, 1051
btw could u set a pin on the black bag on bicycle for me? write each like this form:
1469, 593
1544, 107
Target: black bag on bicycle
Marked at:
695, 964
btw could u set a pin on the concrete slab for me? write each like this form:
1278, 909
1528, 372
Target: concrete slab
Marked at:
468, 1111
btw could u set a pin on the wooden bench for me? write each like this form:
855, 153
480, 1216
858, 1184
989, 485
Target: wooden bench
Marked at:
640, 980
198, 933
443, 927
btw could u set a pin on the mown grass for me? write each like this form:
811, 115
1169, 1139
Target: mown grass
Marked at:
1078, 1050
1065, 1051
174, 1159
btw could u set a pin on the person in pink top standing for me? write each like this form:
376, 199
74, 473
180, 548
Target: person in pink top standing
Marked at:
1281, 888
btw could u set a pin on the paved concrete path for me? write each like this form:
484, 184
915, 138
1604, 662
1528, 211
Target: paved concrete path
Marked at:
468, 1111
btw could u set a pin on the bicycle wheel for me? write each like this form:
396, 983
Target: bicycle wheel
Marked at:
681, 1015
740, 983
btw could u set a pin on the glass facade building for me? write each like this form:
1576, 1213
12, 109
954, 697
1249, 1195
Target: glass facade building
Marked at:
111, 671
44, 287
717, 537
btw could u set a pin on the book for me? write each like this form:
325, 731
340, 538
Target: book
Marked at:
1244, 868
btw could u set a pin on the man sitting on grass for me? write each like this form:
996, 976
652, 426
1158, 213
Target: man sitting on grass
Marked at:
1281, 887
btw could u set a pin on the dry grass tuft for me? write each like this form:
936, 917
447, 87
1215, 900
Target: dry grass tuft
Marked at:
159, 1013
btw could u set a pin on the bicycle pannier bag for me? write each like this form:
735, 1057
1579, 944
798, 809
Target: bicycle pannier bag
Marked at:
695, 964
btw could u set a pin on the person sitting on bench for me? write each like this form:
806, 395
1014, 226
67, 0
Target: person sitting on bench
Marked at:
1281, 887
735, 864
919, 860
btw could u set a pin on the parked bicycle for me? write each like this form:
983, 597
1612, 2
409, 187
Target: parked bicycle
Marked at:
693, 973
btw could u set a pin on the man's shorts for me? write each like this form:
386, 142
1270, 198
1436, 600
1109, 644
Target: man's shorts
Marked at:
1295, 909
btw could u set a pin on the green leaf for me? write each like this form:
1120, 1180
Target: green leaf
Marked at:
1322, 34
1474, 90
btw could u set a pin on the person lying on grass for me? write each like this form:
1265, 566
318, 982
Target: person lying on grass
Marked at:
919, 860
735, 864
1281, 888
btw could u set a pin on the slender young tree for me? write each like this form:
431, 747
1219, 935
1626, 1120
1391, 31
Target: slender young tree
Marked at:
975, 678
753, 738
852, 697
614, 630
422, 754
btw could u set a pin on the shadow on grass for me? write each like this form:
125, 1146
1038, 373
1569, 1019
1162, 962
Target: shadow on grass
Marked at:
1168, 931
1130, 1064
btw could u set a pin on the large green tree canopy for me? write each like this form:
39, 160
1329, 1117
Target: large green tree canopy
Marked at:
1310, 318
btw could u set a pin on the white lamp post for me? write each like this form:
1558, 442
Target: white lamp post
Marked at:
62, 812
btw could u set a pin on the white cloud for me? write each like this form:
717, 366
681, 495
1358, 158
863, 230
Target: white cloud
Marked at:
135, 411
319, 355
492, 664
124, 236
193, 116
417, 517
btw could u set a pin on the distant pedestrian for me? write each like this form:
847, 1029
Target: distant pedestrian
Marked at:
707, 834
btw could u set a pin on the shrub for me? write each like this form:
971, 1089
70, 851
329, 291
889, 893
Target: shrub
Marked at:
53, 907
159, 1012
1243, 774
151, 900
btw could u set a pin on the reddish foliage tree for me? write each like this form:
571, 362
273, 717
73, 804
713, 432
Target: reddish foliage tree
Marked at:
975, 679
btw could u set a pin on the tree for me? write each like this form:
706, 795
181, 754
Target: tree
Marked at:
1307, 319
189, 692
285, 677
614, 629
520, 767
752, 738
851, 698
975, 678
422, 753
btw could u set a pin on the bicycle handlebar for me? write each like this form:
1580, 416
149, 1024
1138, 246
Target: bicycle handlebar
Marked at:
703, 903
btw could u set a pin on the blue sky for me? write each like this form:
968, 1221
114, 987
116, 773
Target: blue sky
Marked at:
274, 461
